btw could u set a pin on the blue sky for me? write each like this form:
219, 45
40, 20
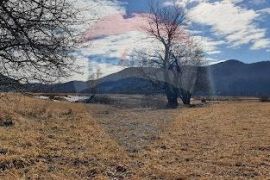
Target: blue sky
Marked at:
228, 29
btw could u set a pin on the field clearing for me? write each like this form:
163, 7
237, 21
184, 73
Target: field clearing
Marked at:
61, 140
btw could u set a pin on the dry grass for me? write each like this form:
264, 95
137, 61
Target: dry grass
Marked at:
58, 140
55, 140
226, 140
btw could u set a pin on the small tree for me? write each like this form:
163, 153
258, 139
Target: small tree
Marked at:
94, 75
36, 39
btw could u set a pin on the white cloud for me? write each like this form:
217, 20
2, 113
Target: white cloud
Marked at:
97, 9
209, 45
168, 3
111, 53
86, 65
117, 46
236, 24
214, 52
91, 11
262, 43
181, 3
264, 11
234, 1
117, 49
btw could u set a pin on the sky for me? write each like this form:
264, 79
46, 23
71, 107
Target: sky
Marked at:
227, 29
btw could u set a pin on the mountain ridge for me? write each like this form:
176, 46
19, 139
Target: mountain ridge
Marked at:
228, 78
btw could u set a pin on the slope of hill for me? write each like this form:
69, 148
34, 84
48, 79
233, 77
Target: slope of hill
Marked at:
69, 87
236, 78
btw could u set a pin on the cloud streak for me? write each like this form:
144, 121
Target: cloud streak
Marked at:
116, 24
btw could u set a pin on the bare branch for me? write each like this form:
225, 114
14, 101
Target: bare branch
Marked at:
37, 39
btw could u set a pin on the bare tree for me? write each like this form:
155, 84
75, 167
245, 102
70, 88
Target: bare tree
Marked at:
94, 75
165, 25
36, 39
175, 62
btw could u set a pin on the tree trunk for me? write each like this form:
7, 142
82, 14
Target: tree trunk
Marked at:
172, 102
185, 97
172, 97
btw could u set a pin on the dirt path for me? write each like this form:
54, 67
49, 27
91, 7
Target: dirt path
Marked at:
133, 128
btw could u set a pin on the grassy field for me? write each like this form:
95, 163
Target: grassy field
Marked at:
61, 140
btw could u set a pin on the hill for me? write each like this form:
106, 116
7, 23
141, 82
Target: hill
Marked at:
239, 79
229, 78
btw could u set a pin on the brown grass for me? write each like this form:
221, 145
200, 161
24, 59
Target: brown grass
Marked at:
55, 140
226, 140
60, 140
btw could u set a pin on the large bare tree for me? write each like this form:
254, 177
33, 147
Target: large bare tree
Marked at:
165, 25
36, 39
175, 62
